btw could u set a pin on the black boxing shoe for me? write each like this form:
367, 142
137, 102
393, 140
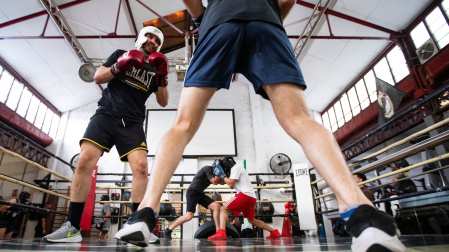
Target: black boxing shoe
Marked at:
167, 234
138, 228
373, 230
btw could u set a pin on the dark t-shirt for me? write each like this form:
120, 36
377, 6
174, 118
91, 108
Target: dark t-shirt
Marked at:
220, 11
201, 179
368, 193
40, 215
125, 96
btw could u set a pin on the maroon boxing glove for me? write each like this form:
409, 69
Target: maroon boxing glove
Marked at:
160, 63
127, 61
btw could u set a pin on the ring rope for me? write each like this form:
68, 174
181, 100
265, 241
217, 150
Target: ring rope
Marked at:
15, 181
33, 163
399, 197
395, 172
426, 130
209, 188
31, 207
185, 202
409, 177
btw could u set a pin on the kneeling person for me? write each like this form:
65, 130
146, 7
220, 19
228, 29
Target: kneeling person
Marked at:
195, 195
243, 202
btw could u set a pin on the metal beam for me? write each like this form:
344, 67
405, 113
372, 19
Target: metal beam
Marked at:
352, 19
311, 27
339, 37
64, 28
110, 36
131, 16
40, 13
23, 147
161, 17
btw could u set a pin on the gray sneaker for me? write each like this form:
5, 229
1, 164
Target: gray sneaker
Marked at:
66, 233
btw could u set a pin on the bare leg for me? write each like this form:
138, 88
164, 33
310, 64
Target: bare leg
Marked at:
215, 207
82, 178
181, 220
139, 167
223, 217
2, 232
192, 107
261, 224
8, 235
317, 142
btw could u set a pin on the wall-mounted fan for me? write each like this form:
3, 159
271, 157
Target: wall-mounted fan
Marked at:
280, 164
426, 51
87, 71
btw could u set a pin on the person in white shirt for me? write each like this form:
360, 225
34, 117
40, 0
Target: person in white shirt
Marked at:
243, 202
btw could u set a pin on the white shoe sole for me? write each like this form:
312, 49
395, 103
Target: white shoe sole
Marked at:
372, 236
137, 234
74, 239
154, 239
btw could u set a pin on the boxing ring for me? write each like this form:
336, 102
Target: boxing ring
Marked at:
321, 197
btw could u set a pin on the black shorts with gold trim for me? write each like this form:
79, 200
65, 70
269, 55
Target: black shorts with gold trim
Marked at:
106, 130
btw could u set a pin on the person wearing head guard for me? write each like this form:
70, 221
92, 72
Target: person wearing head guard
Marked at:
195, 195
105, 223
131, 77
227, 164
24, 197
243, 202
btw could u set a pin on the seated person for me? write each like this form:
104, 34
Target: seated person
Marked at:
360, 177
105, 223
405, 185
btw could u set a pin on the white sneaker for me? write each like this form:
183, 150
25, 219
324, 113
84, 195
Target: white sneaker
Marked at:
138, 228
373, 230
154, 239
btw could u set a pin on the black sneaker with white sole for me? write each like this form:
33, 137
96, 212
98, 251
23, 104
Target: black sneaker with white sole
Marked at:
138, 228
373, 230
167, 234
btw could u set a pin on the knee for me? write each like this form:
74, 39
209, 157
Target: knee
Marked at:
215, 207
252, 222
140, 168
186, 127
84, 161
188, 217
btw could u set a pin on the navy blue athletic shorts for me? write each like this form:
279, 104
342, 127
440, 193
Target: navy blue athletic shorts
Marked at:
259, 50
194, 197
106, 130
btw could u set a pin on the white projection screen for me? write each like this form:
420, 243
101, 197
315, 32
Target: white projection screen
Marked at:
215, 137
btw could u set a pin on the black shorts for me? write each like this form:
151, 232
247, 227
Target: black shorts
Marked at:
106, 130
194, 197
9, 225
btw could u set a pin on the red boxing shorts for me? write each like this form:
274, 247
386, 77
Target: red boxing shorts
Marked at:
242, 203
